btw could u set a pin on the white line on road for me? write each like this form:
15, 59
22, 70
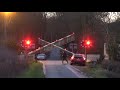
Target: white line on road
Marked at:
44, 69
82, 72
76, 73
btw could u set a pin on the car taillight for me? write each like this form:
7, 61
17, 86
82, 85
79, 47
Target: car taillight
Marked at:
83, 58
72, 58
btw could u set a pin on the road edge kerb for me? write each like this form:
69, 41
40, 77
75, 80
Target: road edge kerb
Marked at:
44, 70
81, 72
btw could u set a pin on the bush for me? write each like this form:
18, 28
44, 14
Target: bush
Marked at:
112, 74
91, 64
35, 70
12, 45
113, 66
100, 60
11, 64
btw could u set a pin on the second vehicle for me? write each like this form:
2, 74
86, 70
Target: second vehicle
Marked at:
40, 56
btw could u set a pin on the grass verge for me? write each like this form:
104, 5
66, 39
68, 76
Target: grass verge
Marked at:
35, 70
95, 72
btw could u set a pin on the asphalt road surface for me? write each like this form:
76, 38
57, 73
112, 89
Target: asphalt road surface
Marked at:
55, 69
55, 54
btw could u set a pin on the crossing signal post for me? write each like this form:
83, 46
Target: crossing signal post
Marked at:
26, 44
86, 44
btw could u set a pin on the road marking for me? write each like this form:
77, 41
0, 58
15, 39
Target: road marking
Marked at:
81, 72
44, 69
72, 70
76, 73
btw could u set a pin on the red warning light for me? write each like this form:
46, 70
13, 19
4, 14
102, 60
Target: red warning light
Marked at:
88, 42
28, 42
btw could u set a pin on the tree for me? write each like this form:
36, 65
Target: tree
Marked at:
112, 47
112, 31
84, 24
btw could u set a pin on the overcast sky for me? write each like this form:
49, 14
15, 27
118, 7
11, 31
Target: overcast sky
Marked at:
112, 17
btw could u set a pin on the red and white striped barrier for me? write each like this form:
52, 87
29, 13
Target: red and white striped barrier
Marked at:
56, 43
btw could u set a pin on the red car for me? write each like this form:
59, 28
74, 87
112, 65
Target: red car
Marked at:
78, 59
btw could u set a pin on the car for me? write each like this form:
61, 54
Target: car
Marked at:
40, 56
78, 59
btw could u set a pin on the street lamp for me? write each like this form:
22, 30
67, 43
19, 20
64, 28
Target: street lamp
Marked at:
7, 13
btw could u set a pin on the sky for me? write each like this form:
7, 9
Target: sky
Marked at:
112, 17
50, 14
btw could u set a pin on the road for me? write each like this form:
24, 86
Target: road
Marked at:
55, 69
55, 54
